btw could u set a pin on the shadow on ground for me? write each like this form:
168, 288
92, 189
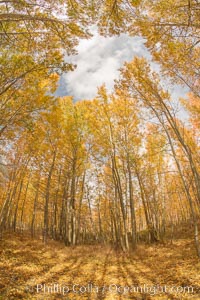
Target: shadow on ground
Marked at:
31, 270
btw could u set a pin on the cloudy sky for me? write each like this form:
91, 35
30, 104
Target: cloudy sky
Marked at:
98, 61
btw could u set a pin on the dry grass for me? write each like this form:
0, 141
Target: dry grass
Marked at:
24, 263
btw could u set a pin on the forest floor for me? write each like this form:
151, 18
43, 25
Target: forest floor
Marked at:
31, 270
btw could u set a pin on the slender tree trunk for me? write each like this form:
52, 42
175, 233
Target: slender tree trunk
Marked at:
16, 206
35, 208
46, 207
23, 203
132, 205
80, 207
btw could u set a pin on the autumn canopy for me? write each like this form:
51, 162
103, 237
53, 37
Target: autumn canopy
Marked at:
122, 168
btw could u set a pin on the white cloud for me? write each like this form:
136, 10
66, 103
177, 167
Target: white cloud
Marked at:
98, 62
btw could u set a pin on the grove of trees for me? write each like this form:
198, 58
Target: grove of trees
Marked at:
122, 168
